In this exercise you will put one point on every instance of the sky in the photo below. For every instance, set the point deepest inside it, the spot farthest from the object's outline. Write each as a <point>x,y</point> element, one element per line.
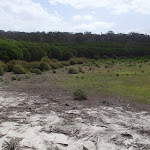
<point>96,16</point>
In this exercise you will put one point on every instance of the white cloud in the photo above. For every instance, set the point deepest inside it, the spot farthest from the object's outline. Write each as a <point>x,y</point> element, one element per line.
<point>28,16</point>
<point>90,23</point>
<point>94,27</point>
<point>117,6</point>
<point>83,18</point>
<point>25,15</point>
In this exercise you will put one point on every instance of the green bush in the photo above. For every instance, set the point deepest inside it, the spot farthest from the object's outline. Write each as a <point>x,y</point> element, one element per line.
<point>65,63</point>
<point>28,76</point>
<point>10,66</point>
<point>59,64</point>
<point>1,70</point>
<point>46,59</point>
<point>54,71</point>
<point>18,69</point>
<point>72,61</point>
<point>37,71</point>
<point>79,95</point>
<point>44,66</point>
<point>81,70</point>
<point>34,65</point>
<point>72,71</point>
<point>13,78</point>
<point>1,79</point>
<point>54,65</point>
<point>19,78</point>
<point>80,60</point>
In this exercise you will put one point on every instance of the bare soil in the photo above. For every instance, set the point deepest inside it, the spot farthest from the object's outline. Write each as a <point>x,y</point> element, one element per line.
<point>37,113</point>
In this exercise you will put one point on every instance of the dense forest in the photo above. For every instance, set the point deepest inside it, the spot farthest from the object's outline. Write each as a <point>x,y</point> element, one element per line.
<point>65,45</point>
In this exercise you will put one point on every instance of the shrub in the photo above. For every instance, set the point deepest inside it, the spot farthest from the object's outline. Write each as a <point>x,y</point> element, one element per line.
<point>1,79</point>
<point>1,70</point>
<point>46,59</point>
<point>81,70</point>
<point>65,63</point>
<point>59,64</point>
<point>28,76</point>
<point>13,78</point>
<point>10,66</point>
<point>79,95</point>
<point>117,74</point>
<point>107,66</point>
<point>72,62</point>
<point>44,66</point>
<point>34,65</point>
<point>80,60</point>
<point>72,71</point>
<point>37,71</point>
<point>54,65</point>
<point>19,78</point>
<point>4,66</point>
<point>54,71</point>
<point>18,69</point>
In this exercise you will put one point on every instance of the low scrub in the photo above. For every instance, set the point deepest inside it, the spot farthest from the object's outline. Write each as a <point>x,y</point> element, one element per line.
<point>65,63</point>
<point>72,71</point>
<point>1,70</point>
<point>44,66</point>
<point>54,65</point>
<point>72,61</point>
<point>79,95</point>
<point>37,71</point>
<point>18,69</point>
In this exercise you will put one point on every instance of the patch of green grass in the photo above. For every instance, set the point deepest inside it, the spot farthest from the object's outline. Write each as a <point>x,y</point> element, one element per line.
<point>79,95</point>
<point>131,83</point>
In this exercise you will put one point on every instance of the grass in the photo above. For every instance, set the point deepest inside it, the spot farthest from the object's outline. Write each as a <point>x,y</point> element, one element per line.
<point>122,80</point>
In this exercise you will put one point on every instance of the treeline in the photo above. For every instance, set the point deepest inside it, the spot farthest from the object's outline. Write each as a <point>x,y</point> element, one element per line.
<point>34,51</point>
<point>68,37</point>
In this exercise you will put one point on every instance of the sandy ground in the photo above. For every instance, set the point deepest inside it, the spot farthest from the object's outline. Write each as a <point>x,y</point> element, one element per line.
<point>36,123</point>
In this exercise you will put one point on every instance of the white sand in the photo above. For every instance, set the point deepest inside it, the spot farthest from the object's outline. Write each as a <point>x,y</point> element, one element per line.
<point>102,128</point>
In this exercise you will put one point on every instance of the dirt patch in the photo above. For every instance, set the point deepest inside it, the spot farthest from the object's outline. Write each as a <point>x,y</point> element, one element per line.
<point>39,114</point>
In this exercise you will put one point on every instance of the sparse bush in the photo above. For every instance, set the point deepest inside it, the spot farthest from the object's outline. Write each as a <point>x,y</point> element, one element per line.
<point>117,74</point>
<point>54,65</point>
<point>79,95</point>
<point>107,66</point>
<point>46,59</point>
<point>1,79</point>
<point>54,71</point>
<point>13,78</point>
<point>72,71</point>
<point>65,63</point>
<point>28,76</point>
<point>19,78</point>
<point>34,65</point>
<point>37,71</point>
<point>59,64</point>
<point>80,60</point>
<point>18,69</point>
<point>81,70</point>
<point>44,66</point>
<point>10,66</point>
<point>1,70</point>
<point>72,62</point>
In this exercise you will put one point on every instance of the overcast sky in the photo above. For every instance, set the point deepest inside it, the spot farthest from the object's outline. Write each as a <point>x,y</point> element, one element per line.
<point>94,16</point>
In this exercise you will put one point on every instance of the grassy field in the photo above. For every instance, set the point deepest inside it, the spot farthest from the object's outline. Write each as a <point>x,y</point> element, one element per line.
<point>124,78</point>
